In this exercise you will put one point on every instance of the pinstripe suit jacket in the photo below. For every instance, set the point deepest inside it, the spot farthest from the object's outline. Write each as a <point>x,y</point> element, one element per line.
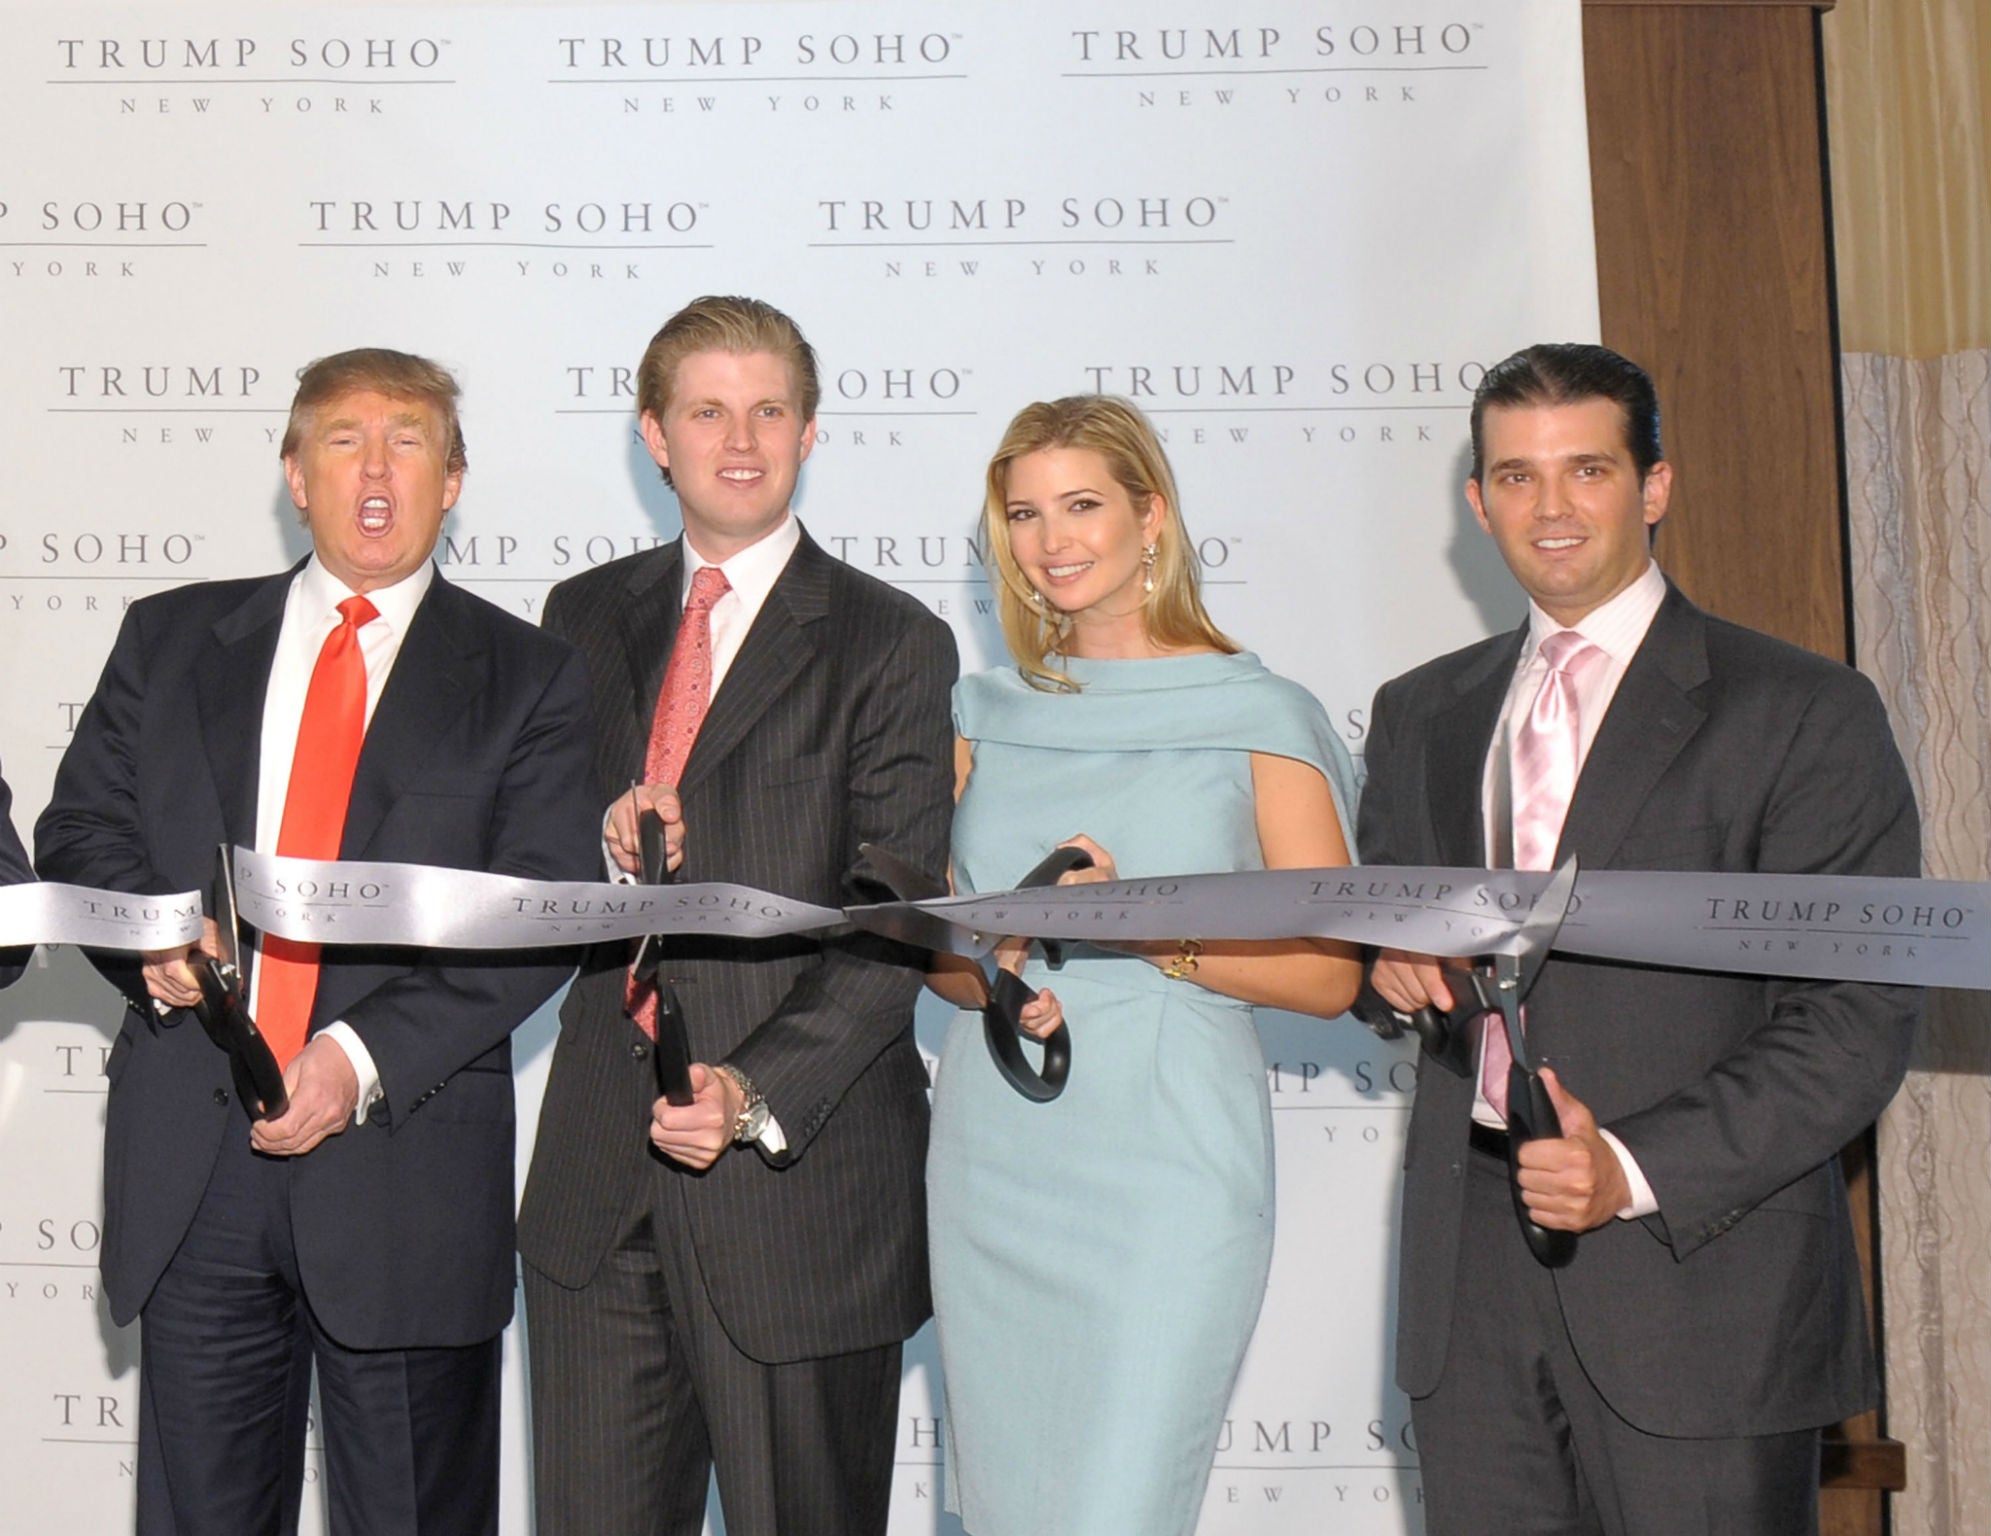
<point>830,729</point>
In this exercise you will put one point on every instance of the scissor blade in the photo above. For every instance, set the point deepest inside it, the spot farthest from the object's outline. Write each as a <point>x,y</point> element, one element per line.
<point>903,878</point>
<point>1538,933</point>
<point>228,929</point>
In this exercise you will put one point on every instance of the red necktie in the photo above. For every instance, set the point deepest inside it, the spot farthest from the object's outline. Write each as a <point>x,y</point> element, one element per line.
<point>681,706</point>
<point>1547,755</point>
<point>314,815</point>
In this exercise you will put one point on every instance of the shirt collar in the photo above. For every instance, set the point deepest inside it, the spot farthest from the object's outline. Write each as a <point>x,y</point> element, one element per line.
<point>754,570</point>
<point>319,593</point>
<point>1616,627</point>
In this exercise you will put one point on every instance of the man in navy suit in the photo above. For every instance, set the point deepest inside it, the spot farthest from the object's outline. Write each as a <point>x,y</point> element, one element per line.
<point>1673,1377</point>
<point>368,1229</point>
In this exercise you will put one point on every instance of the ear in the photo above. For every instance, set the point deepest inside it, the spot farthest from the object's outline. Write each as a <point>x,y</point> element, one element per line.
<point>293,474</point>
<point>653,439</point>
<point>452,487</point>
<point>1479,509</point>
<point>809,438</point>
<point>1152,519</point>
<point>1657,491</point>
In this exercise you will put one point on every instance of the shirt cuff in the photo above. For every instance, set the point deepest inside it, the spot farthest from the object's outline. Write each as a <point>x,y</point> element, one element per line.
<point>1643,1201</point>
<point>772,1137</point>
<point>617,875</point>
<point>370,1091</point>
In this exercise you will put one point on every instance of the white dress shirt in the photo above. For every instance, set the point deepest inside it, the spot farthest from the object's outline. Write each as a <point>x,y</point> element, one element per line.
<point>1617,628</point>
<point>310,614</point>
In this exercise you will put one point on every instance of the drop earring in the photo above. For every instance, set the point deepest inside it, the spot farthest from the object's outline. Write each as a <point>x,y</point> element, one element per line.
<point>1148,568</point>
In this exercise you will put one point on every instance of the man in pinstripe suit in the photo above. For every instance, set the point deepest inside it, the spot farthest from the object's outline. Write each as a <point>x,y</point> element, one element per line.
<point>726,1286</point>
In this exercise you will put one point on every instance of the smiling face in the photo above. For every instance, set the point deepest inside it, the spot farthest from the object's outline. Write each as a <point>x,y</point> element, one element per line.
<point>733,438</point>
<point>370,477</point>
<point>1564,501</point>
<point>1077,535</point>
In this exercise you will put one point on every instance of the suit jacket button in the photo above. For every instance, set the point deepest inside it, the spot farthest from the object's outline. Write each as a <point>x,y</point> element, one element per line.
<point>221,1095</point>
<point>639,1050</point>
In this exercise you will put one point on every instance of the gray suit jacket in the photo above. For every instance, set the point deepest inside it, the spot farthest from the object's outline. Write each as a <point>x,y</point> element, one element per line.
<point>830,729</point>
<point>1736,1310</point>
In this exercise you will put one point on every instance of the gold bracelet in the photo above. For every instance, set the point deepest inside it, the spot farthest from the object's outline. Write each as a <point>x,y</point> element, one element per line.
<point>1184,961</point>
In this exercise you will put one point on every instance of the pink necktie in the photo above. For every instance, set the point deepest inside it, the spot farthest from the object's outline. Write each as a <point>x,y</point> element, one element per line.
<point>329,737</point>
<point>681,706</point>
<point>1547,753</point>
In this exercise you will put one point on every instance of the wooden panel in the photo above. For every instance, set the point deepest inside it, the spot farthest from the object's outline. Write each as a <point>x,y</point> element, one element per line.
<point>1810,5</point>
<point>1708,183</point>
<point>1711,240</point>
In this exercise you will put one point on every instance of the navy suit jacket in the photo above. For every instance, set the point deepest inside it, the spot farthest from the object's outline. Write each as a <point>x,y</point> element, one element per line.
<point>1737,1309</point>
<point>477,757</point>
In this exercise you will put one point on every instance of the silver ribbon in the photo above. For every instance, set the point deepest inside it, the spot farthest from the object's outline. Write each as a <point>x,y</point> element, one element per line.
<point>47,913</point>
<point>325,902</point>
<point>1845,927</point>
<point>1854,928</point>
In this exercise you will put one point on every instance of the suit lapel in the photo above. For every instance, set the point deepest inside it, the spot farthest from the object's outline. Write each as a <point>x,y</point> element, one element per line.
<point>776,651</point>
<point>432,681</point>
<point>652,609</point>
<point>1455,752</point>
<point>1651,718</point>
<point>230,681</point>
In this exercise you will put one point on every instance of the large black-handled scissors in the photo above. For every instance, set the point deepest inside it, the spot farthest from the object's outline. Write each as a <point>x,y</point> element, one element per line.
<point>1531,1113</point>
<point>223,1009</point>
<point>672,1051</point>
<point>1008,993</point>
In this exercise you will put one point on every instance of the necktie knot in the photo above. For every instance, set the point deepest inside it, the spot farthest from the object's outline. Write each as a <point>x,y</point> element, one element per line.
<point>1568,651</point>
<point>708,585</point>
<point>358,612</point>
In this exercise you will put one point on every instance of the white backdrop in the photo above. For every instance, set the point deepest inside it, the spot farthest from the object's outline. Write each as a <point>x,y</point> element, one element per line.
<point>1293,231</point>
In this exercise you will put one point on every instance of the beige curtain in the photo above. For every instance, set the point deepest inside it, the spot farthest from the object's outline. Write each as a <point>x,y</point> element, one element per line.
<point>1908,98</point>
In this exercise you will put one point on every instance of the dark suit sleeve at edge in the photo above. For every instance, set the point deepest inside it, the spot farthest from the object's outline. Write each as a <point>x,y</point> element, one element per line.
<point>88,833</point>
<point>1830,1054</point>
<point>840,1015</point>
<point>14,870</point>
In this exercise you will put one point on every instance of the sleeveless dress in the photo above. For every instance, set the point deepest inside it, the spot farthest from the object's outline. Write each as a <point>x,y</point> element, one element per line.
<point>1099,1261</point>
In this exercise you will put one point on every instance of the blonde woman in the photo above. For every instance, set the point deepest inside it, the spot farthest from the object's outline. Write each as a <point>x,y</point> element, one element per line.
<point>1099,1260</point>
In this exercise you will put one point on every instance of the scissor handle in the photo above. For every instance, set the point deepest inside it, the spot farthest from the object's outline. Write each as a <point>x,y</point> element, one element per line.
<point>1002,1016</point>
<point>650,840</point>
<point>1531,1116</point>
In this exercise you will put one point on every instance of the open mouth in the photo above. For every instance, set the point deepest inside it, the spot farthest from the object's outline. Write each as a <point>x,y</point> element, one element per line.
<point>376,515</point>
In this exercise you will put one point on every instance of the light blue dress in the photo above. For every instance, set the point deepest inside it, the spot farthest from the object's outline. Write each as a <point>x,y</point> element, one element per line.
<point>1098,1261</point>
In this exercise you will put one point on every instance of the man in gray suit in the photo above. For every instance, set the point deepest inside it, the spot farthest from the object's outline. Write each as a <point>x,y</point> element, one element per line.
<point>1673,1377</point>
<point>727,1285</point>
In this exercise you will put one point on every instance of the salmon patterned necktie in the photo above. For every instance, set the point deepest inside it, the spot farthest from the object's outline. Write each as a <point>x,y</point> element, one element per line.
<point>681,706</point>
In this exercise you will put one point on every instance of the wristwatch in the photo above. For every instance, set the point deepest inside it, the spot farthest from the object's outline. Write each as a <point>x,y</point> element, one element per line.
<point>752,1119</point>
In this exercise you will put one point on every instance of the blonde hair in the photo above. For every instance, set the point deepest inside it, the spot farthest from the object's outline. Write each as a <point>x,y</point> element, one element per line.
<point>724,323</point>
<point>380,371</point>
<point>1172,614</point>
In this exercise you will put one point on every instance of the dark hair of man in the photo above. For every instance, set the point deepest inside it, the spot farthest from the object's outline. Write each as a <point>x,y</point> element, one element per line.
<point>724,323</point>
<point>1566,373</point>
<point>380,371</point>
